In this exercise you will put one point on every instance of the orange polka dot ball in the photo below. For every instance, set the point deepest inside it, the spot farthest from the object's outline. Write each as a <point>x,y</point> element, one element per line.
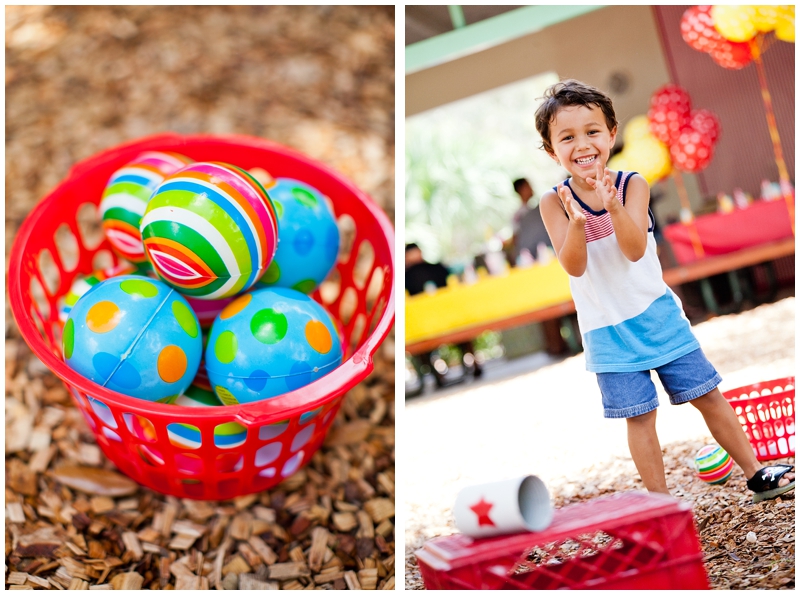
<point>269,342</point>
<point>136,336</point>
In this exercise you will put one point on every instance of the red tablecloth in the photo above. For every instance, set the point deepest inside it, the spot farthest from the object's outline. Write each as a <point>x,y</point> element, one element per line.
<point>721,233</point>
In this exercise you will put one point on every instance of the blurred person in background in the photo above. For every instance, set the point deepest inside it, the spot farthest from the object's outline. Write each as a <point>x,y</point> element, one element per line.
<point>527,225</point>
<point>529,233</point>
<point>422,276</point>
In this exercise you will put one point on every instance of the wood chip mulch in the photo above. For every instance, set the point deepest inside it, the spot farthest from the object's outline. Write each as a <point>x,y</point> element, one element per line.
<point>80,79</point>
<point>74,522</point>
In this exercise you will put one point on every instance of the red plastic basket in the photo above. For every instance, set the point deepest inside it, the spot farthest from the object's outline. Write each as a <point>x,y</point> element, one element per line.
<point>281,433</point>
<point>766,412</point>
<point>631,540</point>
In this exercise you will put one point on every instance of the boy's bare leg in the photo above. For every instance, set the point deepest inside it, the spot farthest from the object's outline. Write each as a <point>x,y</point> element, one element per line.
<point>727,431</point>
<point>646,451</point>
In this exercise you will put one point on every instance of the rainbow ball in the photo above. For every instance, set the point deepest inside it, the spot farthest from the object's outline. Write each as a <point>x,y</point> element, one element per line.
<point>210,230</point>
<point>309,242</point>
<point>226,435</point>
<point>125,199</point>
<point>713,464</point>
<point>135,336</point>
<point>83,284</point>
<point>269,342</point>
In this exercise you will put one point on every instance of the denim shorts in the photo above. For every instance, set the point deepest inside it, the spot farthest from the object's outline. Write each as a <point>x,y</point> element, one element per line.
<point>628,394</point>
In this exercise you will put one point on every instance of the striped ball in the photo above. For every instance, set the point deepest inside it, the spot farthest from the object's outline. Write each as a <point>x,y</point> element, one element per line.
<point>713,464</point>
<point>226,435</point>
<point>210,230</point>
<point>125,198</point>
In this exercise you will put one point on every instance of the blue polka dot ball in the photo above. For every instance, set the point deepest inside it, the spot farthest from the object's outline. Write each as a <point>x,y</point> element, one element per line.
<point>83,284</point>
<point>269,342</point>
<point>309,237</point>
<point>136,336</point>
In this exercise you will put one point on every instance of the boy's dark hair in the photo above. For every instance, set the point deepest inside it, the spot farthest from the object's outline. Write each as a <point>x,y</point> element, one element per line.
<point>519,183</point>
<point>566,93</point>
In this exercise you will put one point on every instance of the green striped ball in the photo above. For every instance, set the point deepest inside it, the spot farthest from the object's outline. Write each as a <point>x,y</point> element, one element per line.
<point>713,464</point>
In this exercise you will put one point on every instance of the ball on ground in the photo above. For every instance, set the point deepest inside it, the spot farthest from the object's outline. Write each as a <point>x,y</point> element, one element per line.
<point>713,464</point>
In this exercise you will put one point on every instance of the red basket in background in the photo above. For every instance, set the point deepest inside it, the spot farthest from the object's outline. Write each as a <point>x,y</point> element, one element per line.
<point>630,540</point>
<point>766,412</point>
<point>279,435</point>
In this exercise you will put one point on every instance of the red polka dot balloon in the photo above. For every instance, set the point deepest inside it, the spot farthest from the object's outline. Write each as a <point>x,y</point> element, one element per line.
<point>692,151</point>
<point>669,113</point>
<point>697,29</point>
<point>705,122</point>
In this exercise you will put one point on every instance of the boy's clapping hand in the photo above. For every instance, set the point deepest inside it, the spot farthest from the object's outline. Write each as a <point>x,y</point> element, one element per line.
<point>605,189</point>
<point>572,208</point>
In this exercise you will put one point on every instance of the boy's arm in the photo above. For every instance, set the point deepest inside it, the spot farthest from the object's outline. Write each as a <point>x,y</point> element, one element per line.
<point>631,221</point>
<point>568,236</point>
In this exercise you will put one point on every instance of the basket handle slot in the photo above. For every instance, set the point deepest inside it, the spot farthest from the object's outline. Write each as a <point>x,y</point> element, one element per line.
<point>91,231</point>
<point>363,264</point>
<point>67,247</point>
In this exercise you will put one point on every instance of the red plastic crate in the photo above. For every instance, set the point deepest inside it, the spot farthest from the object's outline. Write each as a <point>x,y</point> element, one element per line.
<point>766,412</point>
<point>279,435</point>
<point>631,540</point>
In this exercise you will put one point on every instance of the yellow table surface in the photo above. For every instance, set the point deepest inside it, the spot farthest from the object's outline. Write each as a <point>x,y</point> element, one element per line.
<point>489,299</point>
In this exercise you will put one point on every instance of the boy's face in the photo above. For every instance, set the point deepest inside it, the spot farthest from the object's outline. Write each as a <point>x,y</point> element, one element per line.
<point>580,137</point>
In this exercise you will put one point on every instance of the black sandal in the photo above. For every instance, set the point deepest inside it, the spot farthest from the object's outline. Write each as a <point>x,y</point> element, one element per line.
<point>765,482</point>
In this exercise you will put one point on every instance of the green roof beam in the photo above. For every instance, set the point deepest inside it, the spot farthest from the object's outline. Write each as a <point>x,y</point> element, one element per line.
<point>457,16</point>
<point>487,33</point>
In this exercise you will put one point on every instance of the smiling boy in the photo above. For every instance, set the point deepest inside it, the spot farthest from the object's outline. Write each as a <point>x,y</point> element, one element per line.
<point>601,228</point>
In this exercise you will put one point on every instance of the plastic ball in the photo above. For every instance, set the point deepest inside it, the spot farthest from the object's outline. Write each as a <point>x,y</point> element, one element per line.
<point>309,240</point>
<point>135,336</point>
<point>207,310</point>
<point>227,435</point>
<point>126,196</point>
<point>210,230</point>
<point>713,464</point>
<point>269,342</point>
<point>83,284</point>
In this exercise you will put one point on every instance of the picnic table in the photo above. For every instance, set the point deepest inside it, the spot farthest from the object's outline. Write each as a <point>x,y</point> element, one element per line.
<point>461,312</point>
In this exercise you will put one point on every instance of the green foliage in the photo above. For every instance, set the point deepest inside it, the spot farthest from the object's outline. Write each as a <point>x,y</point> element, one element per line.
<point>461,160</point>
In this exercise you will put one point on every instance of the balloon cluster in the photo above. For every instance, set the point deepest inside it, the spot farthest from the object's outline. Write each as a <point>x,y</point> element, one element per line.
<point>671,134</point>
<point>690,135</point>
<point>643,152</point>
<point>724,31</point>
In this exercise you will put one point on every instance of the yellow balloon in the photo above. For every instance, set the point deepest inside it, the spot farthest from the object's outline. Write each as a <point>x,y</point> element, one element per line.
<point>638,127</point>
<point>765,18</point>
<point>618,162</point>
<point>650,157</point>
<point>735,23</point>
<point>784,30</point>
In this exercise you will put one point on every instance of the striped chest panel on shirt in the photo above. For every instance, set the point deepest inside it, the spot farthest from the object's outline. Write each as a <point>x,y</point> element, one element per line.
<point>598,223</point>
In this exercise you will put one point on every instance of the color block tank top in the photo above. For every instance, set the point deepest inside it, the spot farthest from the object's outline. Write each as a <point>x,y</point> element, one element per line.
<point>629,319</point>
